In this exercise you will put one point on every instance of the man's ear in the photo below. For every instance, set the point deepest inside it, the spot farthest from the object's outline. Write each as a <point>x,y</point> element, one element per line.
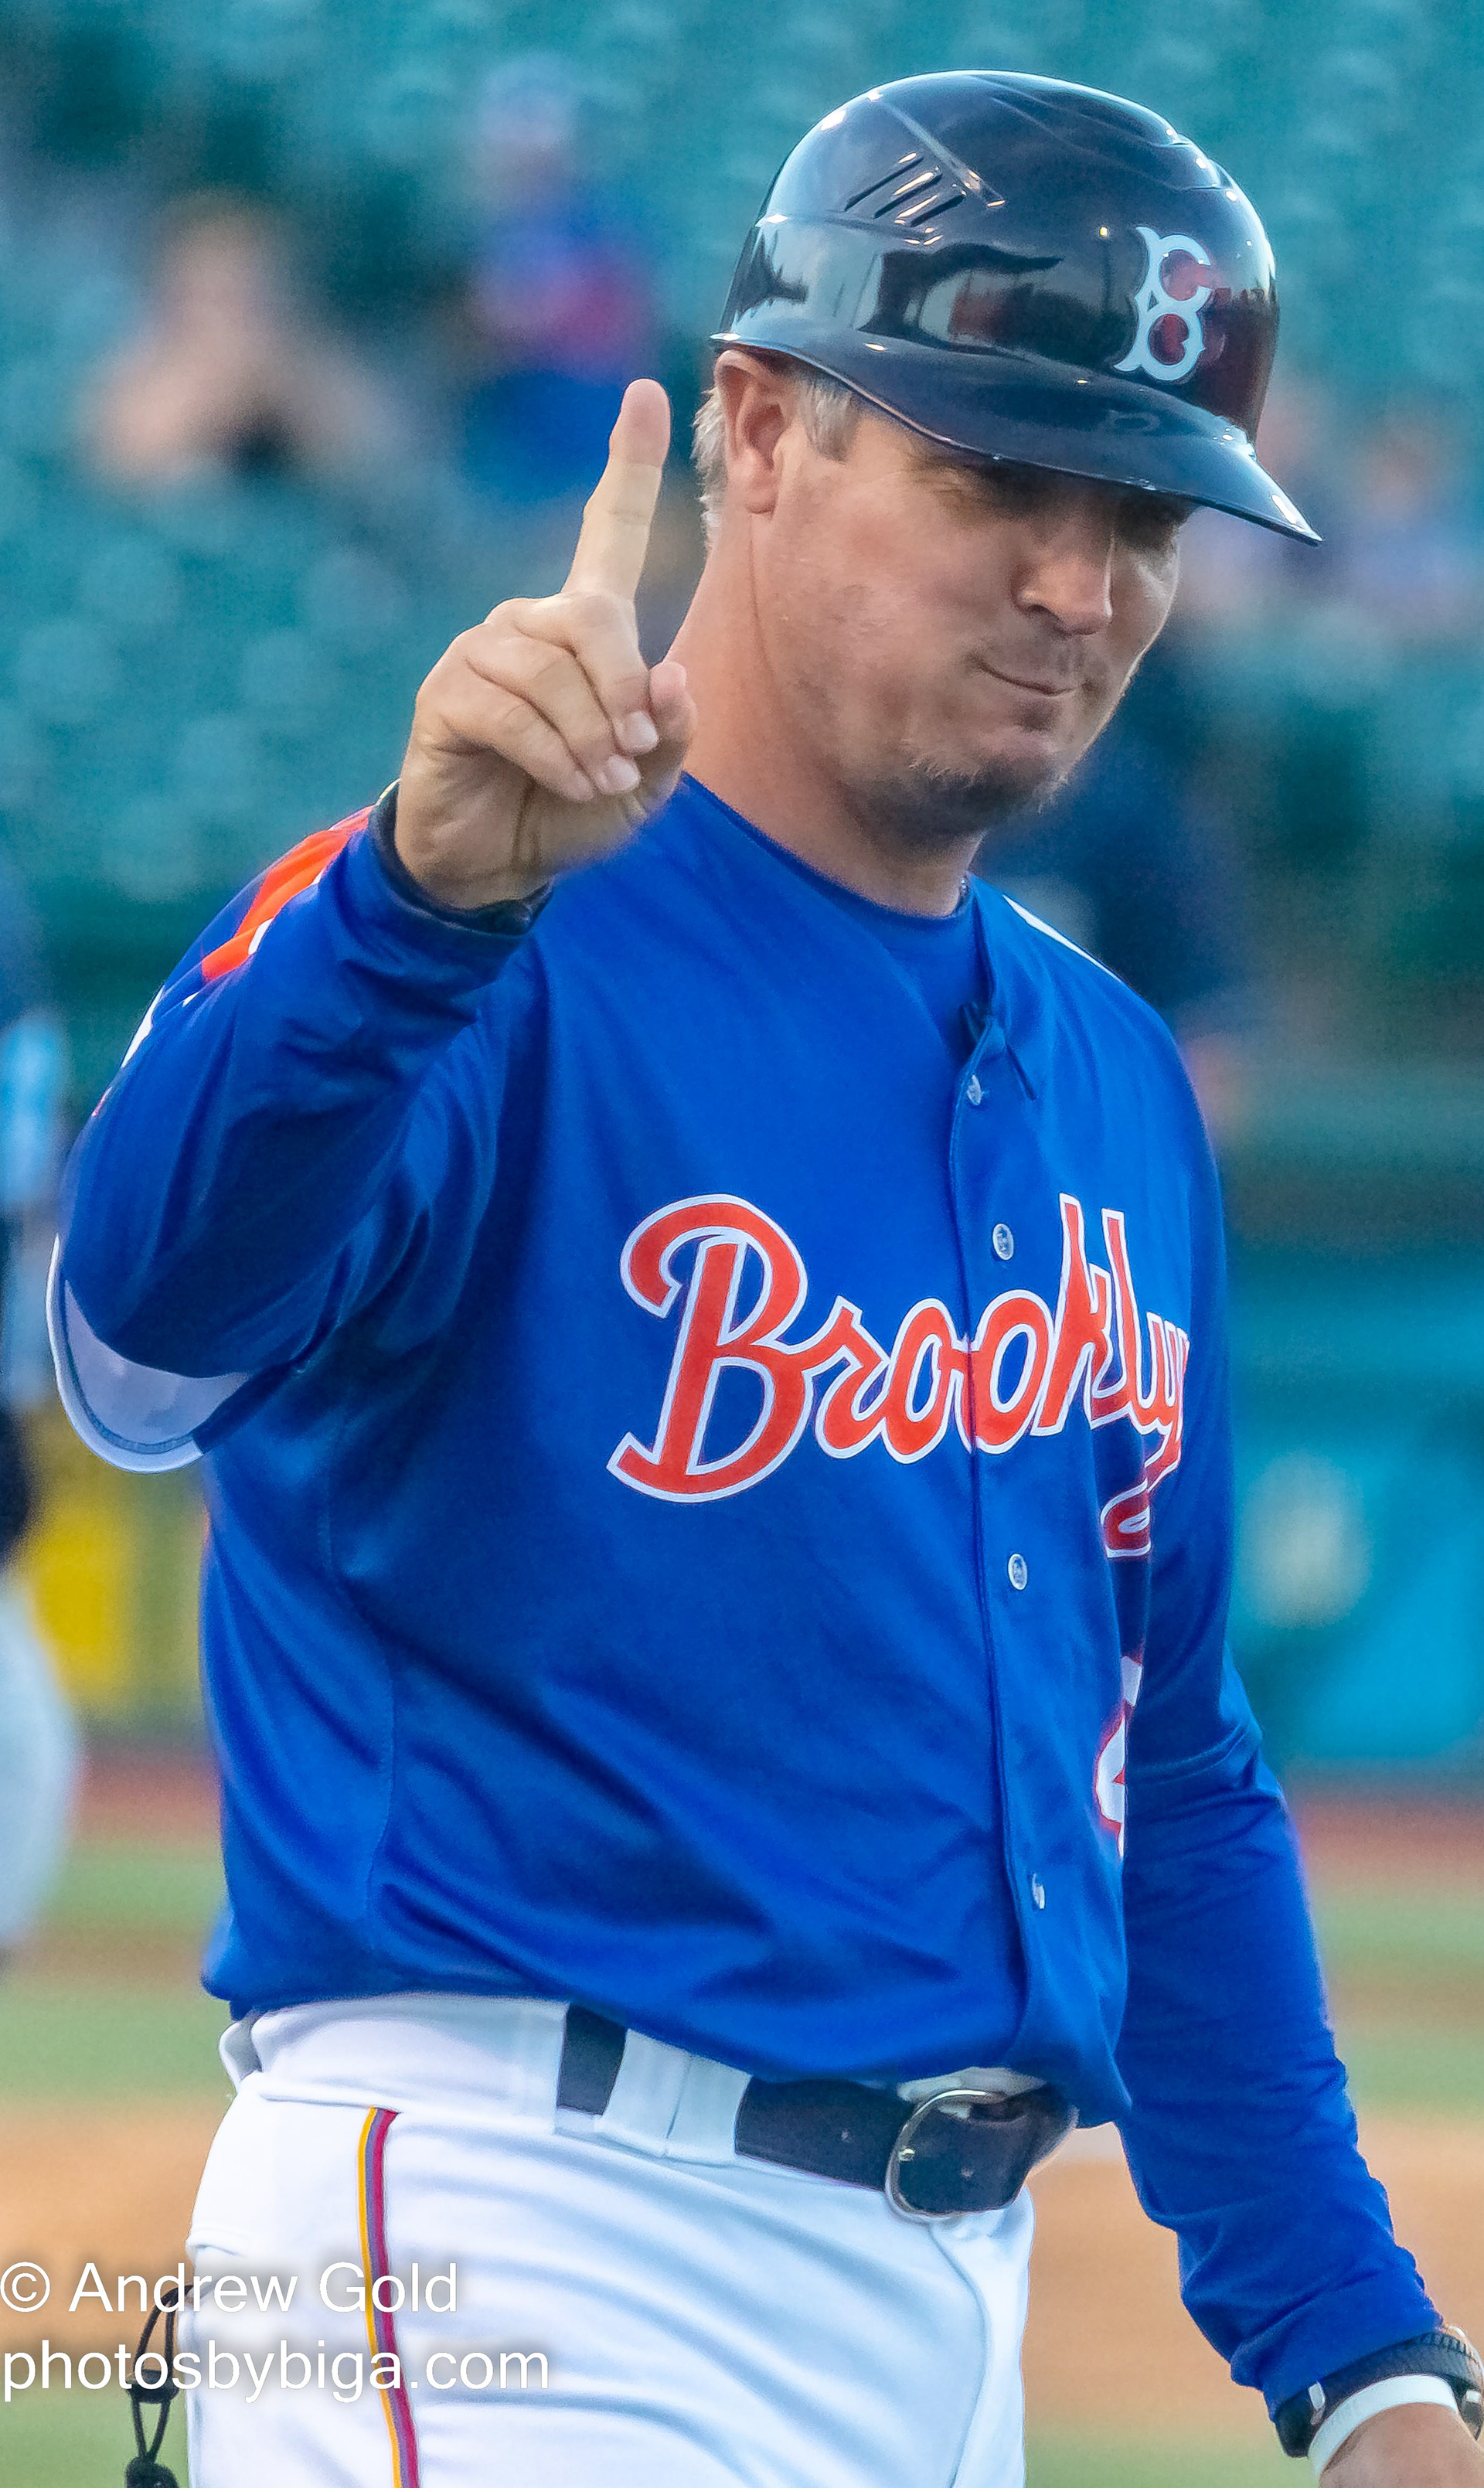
<point>756,398</point>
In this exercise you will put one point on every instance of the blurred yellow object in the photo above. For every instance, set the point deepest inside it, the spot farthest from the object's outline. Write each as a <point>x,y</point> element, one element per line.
<point>112,1564</point>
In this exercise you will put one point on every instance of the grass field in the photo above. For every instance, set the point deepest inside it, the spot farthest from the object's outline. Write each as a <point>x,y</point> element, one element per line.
<point>78,2443</point>
<point>104,2016</point>
<point>108,2005</point>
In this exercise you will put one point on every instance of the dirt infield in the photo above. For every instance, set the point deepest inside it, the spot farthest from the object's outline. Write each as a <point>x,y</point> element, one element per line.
<point>1109,2344</point>
<point>1389,1838</point>
<point>95,2184</point>
<point>148,1793</point>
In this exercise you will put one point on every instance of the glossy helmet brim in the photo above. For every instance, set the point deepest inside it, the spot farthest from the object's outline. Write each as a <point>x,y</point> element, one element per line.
<point>1028,411</point>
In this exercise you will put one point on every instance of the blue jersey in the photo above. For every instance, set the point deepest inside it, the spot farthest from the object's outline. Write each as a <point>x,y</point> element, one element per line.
<point>721,1509</point>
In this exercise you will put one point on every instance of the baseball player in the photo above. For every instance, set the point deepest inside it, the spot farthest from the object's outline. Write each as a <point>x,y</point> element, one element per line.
<point>705,1332</point>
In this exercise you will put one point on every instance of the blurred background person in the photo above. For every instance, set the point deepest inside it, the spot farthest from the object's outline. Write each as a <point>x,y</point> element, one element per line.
<point>39,1757</point>
<point>1128,864</point>
<point>229,370</point>
<point>39,1750</point>
<point>1227,588</point>
<point>1414,562</point>
<point>559,307</point>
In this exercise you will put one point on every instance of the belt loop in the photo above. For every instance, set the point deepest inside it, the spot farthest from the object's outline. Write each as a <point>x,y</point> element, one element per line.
<point>237,2051</point>
<point>645,2095</point>
<point>704,2127</point>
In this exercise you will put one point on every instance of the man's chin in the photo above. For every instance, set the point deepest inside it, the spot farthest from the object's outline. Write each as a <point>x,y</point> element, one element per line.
<point>936,803</point>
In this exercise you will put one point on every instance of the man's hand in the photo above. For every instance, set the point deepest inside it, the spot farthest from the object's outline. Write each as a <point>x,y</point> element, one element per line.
<point>1420,2445</point>
<point>541,740</point>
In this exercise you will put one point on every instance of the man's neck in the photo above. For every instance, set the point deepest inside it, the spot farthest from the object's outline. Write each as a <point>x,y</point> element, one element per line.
<point>749,750</point>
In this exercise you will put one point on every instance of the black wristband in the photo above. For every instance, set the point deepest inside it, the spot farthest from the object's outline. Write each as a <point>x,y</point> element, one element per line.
<point>1448,2355</point>
<point>508,915</point>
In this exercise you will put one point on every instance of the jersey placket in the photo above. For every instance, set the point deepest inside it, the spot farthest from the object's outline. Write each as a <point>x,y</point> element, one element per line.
<point>991,1095</point>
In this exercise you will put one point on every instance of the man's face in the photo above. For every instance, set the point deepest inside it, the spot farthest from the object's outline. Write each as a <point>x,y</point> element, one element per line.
<point>956,634</point>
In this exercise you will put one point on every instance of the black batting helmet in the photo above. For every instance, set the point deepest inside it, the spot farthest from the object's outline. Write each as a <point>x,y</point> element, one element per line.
<point>1029,270</point>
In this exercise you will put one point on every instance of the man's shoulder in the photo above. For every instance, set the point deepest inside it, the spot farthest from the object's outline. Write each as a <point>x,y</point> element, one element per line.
<point>1084,1036</point>
<point>1072,985</point>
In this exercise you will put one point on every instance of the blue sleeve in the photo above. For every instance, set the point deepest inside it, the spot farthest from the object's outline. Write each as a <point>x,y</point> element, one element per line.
<point>269,1158</point>
<point>1239,2136</point>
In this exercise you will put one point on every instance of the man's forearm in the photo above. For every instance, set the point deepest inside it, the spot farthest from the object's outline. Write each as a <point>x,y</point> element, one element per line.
<point>1240,2136</point>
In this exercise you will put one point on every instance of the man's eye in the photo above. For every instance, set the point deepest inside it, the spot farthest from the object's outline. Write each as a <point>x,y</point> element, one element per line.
<point>1153,519</point>
<point>1019,488</point>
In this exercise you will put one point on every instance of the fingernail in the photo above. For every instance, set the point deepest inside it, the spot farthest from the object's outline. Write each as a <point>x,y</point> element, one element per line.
<point>618,776</point>
<point>639,731</point>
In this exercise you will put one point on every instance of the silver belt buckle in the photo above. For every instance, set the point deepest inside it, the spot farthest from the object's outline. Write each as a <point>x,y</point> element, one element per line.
<point>904,2148</point>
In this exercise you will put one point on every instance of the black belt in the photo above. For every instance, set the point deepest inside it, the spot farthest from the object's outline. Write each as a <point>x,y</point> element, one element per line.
<point>962,2151</point>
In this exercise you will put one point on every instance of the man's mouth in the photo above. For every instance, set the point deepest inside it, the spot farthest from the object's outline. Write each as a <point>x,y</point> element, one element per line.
<point>1025,683</point>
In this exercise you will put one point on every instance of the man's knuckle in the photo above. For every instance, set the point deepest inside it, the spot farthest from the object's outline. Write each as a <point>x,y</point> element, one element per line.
<point>488,718</point>
<point>593,745</point>
<point>495,645</point>
<point>600,610</point>
<point>625,690</point>
<point>546,667</point>
<point>445,670</point>
<point>522,726</point>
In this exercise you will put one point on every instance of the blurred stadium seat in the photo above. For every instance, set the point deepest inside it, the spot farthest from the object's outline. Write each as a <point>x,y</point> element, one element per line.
<point>116,623</point>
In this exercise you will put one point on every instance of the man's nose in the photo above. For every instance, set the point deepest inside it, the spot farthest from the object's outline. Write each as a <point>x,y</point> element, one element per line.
<point>1066,573</point>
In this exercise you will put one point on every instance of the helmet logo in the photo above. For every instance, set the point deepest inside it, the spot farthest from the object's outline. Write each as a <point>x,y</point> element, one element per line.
<point>1169,340</point>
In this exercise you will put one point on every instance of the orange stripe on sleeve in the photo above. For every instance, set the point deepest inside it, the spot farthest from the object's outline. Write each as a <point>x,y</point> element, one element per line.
<point>296,871</point>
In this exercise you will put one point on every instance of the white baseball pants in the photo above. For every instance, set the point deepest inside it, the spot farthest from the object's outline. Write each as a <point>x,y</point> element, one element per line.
<point>633,2306</point>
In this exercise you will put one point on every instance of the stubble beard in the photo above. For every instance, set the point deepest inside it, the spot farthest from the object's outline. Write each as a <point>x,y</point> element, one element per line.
<point>925,806</point>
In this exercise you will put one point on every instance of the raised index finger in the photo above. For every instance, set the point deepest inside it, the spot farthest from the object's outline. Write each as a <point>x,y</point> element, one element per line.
<point>611,549</point>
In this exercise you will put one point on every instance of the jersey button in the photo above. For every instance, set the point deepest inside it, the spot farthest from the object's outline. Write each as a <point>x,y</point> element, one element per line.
<point>1004,1242</point>
<point>1038,1893</point>
<point>1019,1571</point>
<point>975,1090</point>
